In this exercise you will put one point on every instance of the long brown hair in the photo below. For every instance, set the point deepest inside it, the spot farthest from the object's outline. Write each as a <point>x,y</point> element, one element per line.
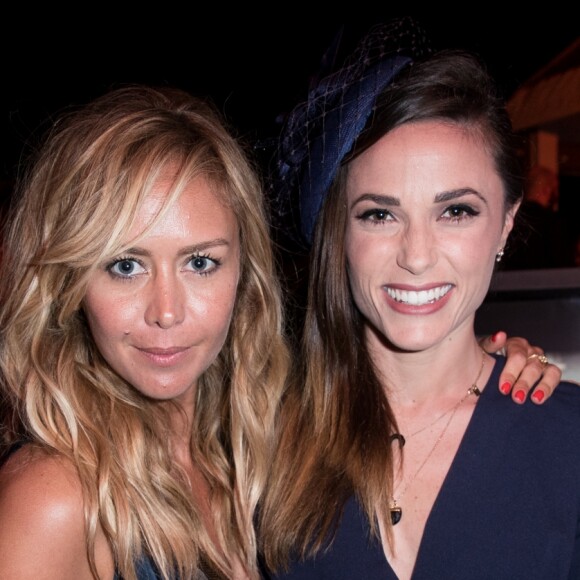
<point>337,422</point>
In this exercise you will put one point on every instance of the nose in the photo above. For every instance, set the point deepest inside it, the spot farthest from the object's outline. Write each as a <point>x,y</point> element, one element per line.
<point>417,251</point>
<point>165,306</point>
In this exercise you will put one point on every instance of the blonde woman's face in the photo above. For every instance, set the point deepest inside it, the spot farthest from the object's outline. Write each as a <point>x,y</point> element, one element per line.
<point>160,312</point>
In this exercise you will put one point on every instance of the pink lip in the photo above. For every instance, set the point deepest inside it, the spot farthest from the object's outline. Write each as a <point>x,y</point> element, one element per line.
<point>163,356</point>
<point>423,309</point>
<point>417,288</point>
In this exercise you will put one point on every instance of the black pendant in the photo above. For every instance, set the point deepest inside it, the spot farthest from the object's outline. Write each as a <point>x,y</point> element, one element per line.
<point>396,514</point>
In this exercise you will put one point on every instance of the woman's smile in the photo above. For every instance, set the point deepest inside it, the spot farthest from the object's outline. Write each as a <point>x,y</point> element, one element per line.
<point>418,297</point>
<point>426,220</point>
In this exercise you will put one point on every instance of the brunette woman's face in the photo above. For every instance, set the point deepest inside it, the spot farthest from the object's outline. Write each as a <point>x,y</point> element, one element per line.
<point>425,220</point>
<point>160,312</point>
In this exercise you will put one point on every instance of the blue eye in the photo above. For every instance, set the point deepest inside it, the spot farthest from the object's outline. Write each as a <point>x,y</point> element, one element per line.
<point>203,264</point>
<point>125,268</point>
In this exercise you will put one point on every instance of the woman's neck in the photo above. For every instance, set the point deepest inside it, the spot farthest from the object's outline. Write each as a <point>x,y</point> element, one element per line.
<point>430,378</point>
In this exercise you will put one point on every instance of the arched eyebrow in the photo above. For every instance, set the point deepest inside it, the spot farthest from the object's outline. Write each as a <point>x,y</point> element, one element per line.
<point>444,196</point>
<point>454,194</point>
<point>192,249</point>
<point>378,199</point>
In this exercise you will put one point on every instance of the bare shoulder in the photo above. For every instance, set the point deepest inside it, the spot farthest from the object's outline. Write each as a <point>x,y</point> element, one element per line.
<point>42,534</point>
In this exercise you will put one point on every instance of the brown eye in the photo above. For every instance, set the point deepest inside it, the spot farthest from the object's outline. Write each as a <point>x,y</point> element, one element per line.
<point>375,215</point>
<point>457,212</point>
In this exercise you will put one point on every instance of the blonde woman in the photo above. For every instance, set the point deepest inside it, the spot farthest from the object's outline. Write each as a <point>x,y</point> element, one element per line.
<point>141,348</point>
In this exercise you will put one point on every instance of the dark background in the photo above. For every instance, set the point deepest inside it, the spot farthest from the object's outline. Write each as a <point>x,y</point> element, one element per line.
<point>254,64</point>
<point>253,61</point>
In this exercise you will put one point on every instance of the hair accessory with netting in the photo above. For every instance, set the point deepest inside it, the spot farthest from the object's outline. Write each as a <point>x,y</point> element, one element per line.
<point>319,132</point>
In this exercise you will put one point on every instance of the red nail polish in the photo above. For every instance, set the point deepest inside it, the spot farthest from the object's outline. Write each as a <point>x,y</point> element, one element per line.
<point>520,395</point>
<point>538,396</point>
<point>494,337</point>
<point>506,388</point>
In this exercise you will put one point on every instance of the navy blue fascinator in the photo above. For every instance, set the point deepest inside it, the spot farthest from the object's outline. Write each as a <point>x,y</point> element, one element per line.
<point>319,133</point>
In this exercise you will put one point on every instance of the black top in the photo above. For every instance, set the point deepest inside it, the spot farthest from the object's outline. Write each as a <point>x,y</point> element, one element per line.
<point>509,507</point>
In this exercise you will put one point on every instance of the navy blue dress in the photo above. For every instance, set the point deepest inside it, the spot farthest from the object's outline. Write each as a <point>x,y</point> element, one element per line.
<point>509,507</point>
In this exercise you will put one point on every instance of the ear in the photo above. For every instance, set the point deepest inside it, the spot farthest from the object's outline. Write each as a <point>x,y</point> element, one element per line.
<point>508,222</point>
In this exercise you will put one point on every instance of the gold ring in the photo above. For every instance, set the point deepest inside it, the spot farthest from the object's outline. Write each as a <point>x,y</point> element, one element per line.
<point>542,358</point>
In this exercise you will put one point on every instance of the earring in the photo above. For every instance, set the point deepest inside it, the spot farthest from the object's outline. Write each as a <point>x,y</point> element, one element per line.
<point>499,255</point>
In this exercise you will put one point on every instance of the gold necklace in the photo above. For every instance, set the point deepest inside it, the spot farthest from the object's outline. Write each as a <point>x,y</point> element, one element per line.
<point>395,509</point>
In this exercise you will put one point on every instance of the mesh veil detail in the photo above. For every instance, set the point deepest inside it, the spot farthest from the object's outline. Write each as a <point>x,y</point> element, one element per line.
<point>318,133</point>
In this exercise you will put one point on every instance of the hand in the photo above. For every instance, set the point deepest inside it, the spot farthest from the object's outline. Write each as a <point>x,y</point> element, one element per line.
<point>521,372</point>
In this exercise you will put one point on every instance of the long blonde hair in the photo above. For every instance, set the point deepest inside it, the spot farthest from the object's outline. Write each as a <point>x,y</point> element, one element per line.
<point>72,208</point>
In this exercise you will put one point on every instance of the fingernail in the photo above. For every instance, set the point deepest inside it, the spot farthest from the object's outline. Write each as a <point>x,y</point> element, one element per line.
<point>494,337</point>
<point>538,396</point>
<point>520,395</point>
<point>506,388</point>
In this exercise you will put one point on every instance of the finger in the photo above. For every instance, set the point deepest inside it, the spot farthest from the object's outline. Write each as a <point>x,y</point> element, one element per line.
<point>517,352</point>
<point>494,343</point>
<point>544,389</point>
<point>543,379</point>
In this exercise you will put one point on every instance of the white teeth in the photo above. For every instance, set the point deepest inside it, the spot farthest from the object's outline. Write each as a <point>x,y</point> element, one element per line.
<point>418,298</point>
